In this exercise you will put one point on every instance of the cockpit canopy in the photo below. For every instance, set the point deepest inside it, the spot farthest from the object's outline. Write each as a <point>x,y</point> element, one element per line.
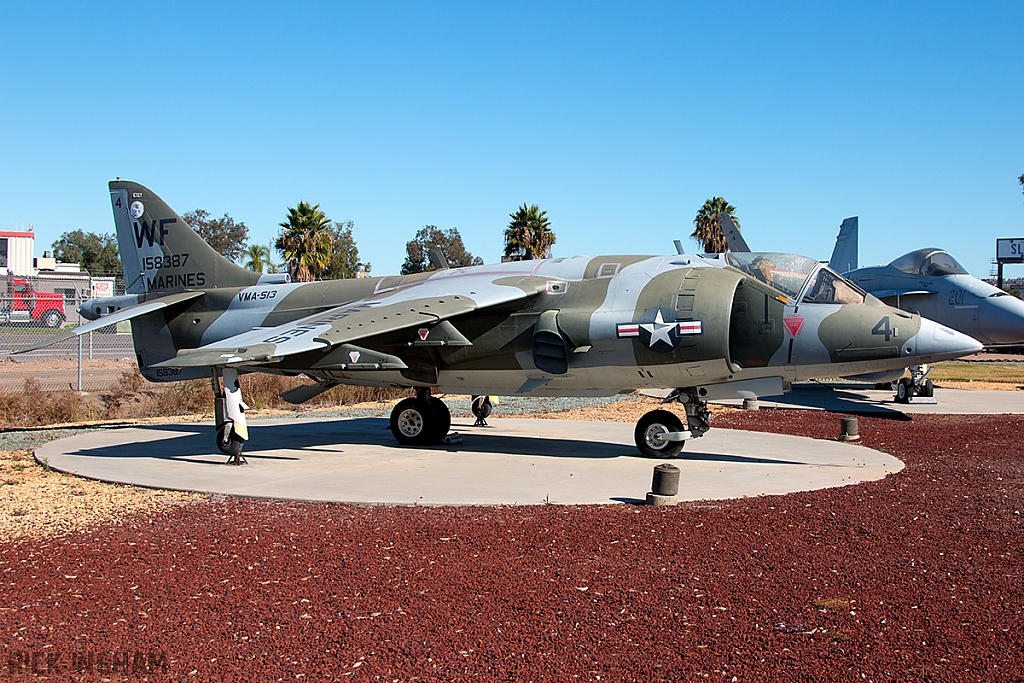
<point>831,288</point>
<point>784,272</point>
<point>928,263</point>
<point>789,272</point>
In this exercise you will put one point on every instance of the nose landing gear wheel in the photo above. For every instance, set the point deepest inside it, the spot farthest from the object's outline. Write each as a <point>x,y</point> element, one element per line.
<point>904,390</point>
<point>649,429</point>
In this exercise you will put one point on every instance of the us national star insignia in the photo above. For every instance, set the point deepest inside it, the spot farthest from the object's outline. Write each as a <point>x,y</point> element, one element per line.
<point>657,334</point>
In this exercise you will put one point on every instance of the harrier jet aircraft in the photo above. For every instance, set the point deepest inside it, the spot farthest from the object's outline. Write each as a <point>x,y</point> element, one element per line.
<point>739,326</point>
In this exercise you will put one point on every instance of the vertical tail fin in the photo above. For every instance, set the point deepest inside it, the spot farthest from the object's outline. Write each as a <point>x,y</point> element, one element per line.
<point>844,255</point>
<point>160,252</point>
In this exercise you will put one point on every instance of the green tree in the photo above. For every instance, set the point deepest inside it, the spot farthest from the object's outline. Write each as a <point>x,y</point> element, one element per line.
<point>223,234</point>
<point>305,241</point>
<point>449,241</point>
<point>528,235</point>
<point>96,253</point>
<point>707,232</point>
<point>344,261</point>
<point>256,258</point>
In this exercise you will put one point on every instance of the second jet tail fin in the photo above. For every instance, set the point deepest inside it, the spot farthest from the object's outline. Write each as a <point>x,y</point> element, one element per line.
<point>733,239</point>
<point>844,255</point>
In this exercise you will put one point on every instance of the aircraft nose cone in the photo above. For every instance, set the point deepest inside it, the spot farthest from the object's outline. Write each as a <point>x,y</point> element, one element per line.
<point>935,342</point>
<point>1002,320</point>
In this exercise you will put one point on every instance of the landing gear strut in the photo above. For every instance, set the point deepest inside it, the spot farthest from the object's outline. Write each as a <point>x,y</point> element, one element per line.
<point>229,414</point>
<point>420,421</point>
<point>660,433</point>
<point>917,385</point>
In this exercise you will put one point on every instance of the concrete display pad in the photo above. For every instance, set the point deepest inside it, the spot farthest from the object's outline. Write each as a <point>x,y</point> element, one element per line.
<point>515,461</point>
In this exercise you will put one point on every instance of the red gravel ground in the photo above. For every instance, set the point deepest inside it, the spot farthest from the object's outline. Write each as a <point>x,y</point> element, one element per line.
<point>917,577</point>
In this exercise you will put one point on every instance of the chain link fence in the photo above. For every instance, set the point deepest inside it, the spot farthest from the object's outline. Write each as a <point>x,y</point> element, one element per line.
<point>33,309</point>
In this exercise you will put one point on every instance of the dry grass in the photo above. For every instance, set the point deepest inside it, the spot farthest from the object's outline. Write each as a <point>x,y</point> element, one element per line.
<point>977,372</point>
<point>134,398</point>
<point>36,502</point>
<point>979,385</point>
<point>32,406</point>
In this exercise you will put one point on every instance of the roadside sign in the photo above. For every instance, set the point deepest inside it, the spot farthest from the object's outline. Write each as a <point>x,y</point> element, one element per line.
<point>102,287</point>
<point>1010,250</point>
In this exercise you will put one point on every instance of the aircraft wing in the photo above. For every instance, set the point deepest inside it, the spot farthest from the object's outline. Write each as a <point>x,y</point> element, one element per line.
<point>126,313</point>
<point>733,239</point>
<point>439,298</point>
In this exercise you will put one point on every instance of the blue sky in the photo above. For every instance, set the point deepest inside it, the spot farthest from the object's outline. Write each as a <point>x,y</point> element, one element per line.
<point>618,120</point>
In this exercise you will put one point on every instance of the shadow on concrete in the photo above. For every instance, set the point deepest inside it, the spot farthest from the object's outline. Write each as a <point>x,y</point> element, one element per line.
<point>270,442</point>
<point>849,399</point>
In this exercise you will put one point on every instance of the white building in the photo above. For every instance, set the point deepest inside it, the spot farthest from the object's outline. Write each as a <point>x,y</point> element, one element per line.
<point>16,252</point>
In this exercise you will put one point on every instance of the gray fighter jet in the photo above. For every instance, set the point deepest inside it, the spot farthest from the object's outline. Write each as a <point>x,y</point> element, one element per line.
<point>931,283</point>
<point>729,326</point>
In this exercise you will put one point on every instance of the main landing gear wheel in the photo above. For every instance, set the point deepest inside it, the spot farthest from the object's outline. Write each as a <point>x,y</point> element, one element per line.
<point>420,421</point>
<point>928,389</point>
<point>444,418</point>
<point>649,430</point>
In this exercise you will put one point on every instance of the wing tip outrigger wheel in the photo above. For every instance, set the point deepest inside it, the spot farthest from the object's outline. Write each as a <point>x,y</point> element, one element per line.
<point>482,408</point>
<point>229,415</point>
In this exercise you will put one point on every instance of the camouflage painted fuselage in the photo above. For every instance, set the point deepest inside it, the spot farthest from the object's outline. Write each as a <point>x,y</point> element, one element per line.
<point>600,326</point>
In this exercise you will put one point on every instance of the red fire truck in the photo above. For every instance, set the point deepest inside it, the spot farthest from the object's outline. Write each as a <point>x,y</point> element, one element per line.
<point>23,304</point>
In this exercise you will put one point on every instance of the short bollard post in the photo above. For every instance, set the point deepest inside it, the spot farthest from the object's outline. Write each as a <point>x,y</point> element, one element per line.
<point>848,430</point>
<point>750,404</point>
<point>665,485</point>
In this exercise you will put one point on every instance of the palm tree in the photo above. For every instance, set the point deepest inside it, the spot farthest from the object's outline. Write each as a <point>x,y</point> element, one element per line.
<point>707,231</point>
<point>528,235</point>
<point>305,241</point>
<point>257,258</point>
